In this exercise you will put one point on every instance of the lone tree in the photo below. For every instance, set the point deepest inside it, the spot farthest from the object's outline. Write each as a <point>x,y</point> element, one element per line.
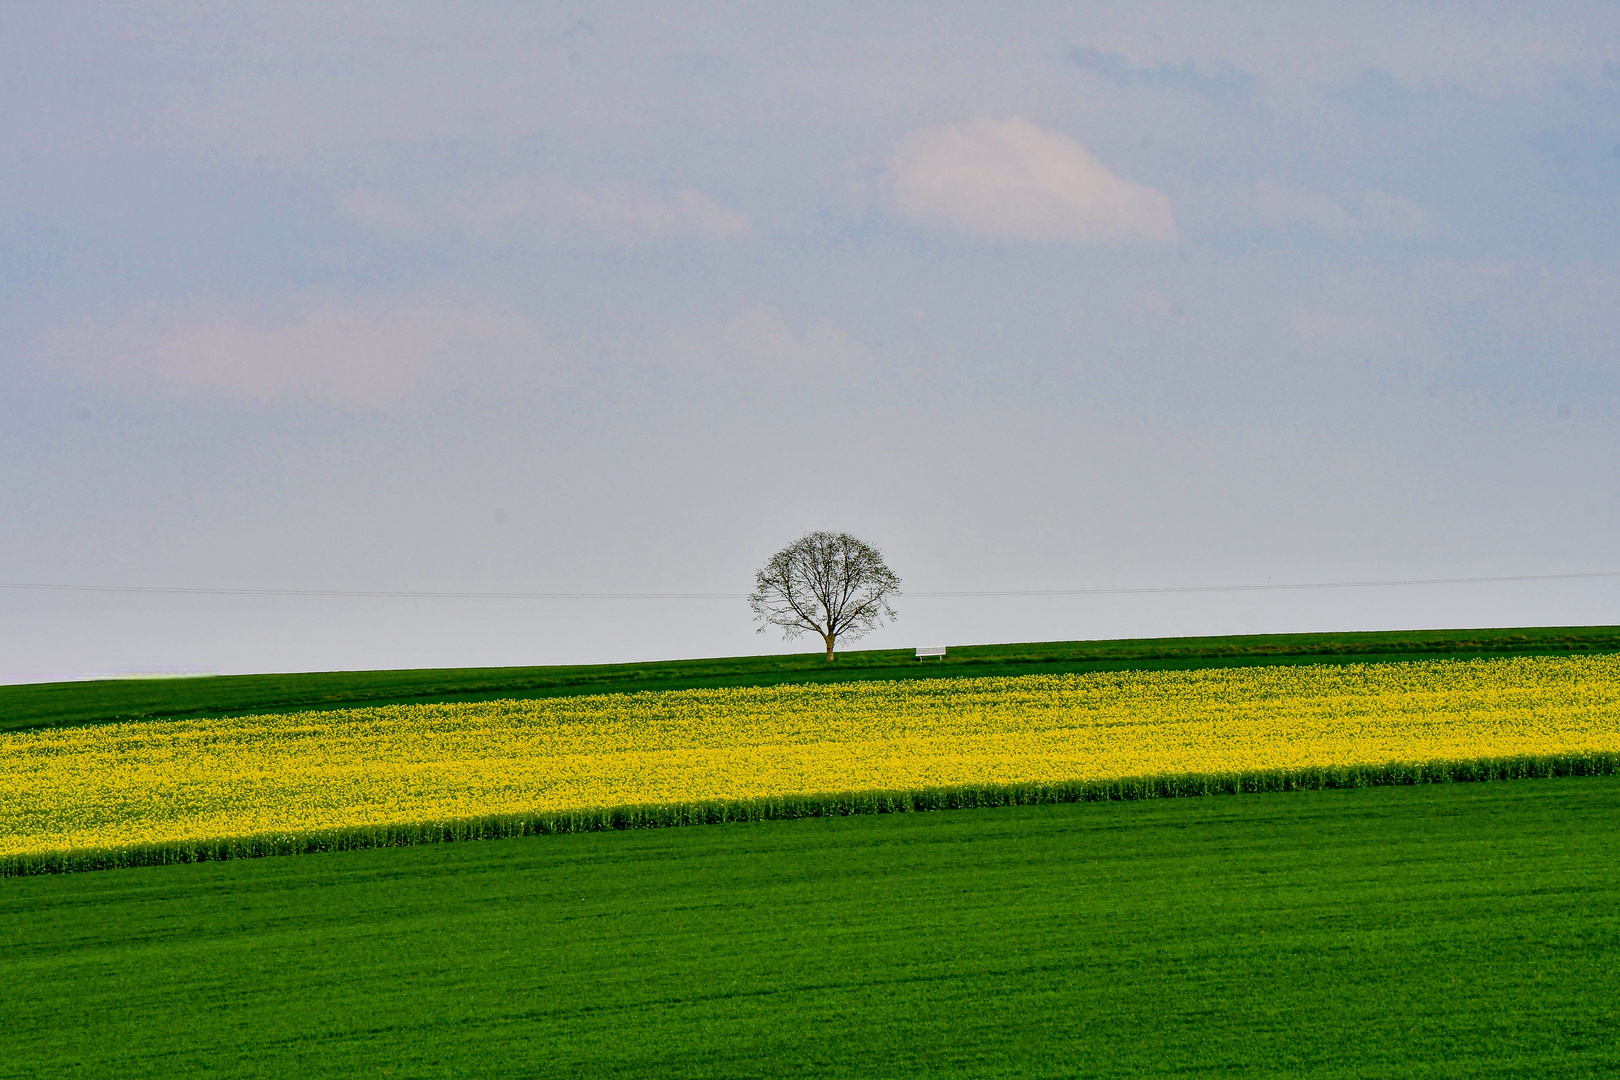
<point>826,584</point>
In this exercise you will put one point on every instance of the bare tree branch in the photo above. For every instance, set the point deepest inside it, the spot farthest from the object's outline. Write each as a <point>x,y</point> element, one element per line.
<point>831,585</point>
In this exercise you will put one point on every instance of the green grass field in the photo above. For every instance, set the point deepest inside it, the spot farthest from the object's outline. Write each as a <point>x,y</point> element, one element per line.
<point>51,704</point>
<point>1432,930</point>
<point>1435,929</point>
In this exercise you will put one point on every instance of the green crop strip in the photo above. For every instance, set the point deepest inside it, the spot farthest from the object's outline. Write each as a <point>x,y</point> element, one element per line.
<point>842,804</point>
<point>1421,930</point>
<point>65,704</point>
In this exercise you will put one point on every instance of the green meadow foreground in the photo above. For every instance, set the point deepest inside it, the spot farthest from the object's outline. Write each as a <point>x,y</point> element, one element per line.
<point>1383,927</point>
<point>1431,930</point>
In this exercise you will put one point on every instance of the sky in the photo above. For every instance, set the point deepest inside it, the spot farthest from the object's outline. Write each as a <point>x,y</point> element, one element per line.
<point>623,298</point>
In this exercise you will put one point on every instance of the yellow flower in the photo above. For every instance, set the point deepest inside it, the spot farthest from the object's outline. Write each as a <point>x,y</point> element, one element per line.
<point>178,782</point>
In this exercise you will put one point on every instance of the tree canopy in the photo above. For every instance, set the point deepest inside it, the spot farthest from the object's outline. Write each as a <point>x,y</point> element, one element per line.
<point>828,584</point>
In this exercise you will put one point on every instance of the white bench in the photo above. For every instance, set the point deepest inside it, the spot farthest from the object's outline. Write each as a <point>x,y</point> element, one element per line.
<point>930,650</point>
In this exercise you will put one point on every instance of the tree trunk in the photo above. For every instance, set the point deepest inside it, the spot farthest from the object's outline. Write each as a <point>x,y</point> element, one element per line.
<point>829,639</point>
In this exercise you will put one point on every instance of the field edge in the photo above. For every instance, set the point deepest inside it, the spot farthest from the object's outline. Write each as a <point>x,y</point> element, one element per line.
<point>34,706</point>
<point>814,805</point>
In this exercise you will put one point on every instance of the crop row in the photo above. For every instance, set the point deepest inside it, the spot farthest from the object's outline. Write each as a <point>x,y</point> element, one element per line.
<point>841,804</point>
<point>256,785</point>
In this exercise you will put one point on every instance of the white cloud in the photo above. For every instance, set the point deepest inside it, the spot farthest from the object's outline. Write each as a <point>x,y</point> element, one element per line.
<point>365,353</point>
<point>1012,180</point>
<point>516,210</point>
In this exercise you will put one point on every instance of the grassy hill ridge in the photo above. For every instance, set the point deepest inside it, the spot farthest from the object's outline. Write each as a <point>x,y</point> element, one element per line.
<point>99,701</point>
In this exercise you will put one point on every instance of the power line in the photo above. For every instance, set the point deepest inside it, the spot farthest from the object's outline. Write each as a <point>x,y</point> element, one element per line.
<point>409,594</point>
<point>376,593</point>
<point>1268,587</point>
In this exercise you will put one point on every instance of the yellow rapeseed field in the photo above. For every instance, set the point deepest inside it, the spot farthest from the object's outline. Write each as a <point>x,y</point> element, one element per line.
<point>177,781</point>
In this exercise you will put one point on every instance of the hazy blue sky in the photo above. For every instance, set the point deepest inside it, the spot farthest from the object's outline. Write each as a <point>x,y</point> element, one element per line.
<point>623,298</point>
